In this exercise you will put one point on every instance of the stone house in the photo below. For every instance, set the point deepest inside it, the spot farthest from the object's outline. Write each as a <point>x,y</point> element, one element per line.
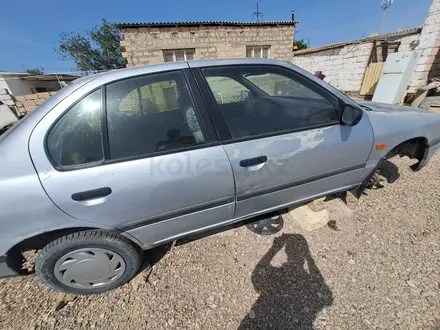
<point>345,63</point>
<point>149,43</point>
<point>23,92</point>
<point>22,83</point>
<point>355,66</point>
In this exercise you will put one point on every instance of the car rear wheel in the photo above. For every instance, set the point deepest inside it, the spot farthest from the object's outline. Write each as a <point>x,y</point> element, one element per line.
<point>88,262</point>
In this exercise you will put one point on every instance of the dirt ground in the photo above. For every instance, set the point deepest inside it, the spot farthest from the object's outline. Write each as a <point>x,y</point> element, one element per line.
<point>380,270</point>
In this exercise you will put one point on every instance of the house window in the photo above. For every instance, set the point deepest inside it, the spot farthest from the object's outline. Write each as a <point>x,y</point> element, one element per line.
<point>41,89</point>
<point>258,51</point>
<point>178,55</point>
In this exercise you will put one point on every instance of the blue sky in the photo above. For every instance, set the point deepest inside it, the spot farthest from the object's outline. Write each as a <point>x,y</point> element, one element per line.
<point>30,31</point>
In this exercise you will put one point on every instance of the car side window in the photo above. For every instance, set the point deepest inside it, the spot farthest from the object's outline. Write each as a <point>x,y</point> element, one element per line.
<point>150,114</point>
<point>276,100</point>
<point>75,138</point>
<point>226,89</point>
<point>278,85</point>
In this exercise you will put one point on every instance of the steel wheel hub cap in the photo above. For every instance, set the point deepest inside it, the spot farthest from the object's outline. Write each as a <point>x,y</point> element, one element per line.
<point>267,226</point>
<point>86,268</point>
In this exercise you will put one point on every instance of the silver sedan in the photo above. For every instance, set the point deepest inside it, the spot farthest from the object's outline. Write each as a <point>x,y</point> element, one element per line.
<point>120,162</point>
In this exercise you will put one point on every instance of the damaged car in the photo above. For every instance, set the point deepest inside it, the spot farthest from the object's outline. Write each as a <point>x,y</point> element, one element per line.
<point>123,161</point>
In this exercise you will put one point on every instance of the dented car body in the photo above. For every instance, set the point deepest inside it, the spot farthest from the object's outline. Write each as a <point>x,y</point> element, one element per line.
<point>159,152</point>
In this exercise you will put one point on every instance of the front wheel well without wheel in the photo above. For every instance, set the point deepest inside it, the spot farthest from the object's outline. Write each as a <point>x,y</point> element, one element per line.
<point>413,148</point>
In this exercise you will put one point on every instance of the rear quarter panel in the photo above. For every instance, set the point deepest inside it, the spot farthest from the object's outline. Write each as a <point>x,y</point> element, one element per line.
<point>25,209</point>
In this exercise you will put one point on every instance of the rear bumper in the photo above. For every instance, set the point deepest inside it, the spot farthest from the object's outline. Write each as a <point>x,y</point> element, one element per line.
<point>5,269</point>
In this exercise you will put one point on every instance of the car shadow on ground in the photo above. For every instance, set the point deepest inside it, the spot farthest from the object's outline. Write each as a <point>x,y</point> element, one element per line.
<point>291,295</point>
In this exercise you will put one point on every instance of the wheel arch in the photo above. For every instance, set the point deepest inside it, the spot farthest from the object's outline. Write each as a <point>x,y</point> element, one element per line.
<point>414,148</point>
<point>37,241</point>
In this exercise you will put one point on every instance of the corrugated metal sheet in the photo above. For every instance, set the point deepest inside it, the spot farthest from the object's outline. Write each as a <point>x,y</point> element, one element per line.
<point>371,78</point>
<point>205,23</point>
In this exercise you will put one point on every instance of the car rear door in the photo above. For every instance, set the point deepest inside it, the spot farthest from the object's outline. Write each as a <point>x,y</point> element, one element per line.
<point>126,154</point>
<point>283,135</point>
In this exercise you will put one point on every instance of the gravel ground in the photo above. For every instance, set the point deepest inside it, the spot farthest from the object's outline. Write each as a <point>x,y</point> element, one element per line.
<point>379,270</point>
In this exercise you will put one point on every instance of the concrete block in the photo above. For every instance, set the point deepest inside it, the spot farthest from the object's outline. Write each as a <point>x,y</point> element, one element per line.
<point>308,219</point>
<point>31,97</point>
<point>28,103</point>
<point>44,95</point>
<point>124,43</point>
<point>338,210</point>
<point>6,116</point>
<point>317,204</point>
<point>20,98</point>
<point>3,91</point>
<point>5,97</point>
<point>29,108</point>
<point>40,101</point>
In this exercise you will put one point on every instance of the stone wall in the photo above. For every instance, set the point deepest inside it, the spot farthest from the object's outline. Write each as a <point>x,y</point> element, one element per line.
<point>27,103</point>
<point>428,65</point>
<point>6,98</point>
<point>145,45</point>
<point>345,66</point>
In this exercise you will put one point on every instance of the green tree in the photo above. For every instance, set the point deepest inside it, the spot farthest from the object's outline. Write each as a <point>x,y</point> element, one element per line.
<point>35,71</point>
<point>299,44</point>
<point>98,50</point>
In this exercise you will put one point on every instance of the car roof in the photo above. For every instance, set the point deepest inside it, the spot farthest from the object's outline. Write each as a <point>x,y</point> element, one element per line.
<point>149,68</point>
<point>87,84</point>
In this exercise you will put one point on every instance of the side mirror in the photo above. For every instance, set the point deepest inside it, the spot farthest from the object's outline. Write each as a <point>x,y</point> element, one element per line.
<point>351,115</point>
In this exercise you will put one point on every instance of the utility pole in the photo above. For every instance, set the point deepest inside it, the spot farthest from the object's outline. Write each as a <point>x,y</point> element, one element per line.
<point>257,14</point>
<point>385,5</point>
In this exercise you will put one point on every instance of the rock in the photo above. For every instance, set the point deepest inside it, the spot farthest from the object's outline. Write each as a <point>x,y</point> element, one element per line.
<point>338,210</point>
<point>317,205</point>
<point>140,279</point>
<point>308,219</point>
<point>251,314</point>
<point>351,262</point>
<point>62,300</point>
<point>411,283</point>
<point>306,309</point>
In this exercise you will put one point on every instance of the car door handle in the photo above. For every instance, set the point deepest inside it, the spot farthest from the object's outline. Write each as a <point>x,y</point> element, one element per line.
<point>253,161</point>
<point>91,194</point>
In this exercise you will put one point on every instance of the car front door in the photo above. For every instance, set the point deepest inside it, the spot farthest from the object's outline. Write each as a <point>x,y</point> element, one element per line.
<point>283,135</point>
<point>137,154</point>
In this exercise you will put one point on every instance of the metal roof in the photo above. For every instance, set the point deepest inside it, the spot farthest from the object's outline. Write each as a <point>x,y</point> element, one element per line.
<point>350,42</point>
<point>51,76</point>
<point>204,23</point>
<point>44,76</point>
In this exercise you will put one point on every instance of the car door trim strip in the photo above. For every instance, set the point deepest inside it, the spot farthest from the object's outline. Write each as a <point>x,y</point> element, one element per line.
<point>178,213</point>
<point>310,179</point>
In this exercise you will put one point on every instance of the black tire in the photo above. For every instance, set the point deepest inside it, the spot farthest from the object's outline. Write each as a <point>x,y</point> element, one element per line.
<point>51,253</point>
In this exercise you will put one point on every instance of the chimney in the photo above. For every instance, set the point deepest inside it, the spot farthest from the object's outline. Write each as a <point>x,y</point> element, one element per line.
<point>293,16</point>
